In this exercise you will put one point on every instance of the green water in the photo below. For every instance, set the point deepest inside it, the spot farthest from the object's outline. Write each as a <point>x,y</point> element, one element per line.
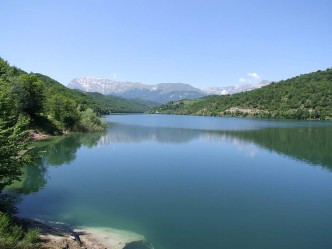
<point>191,182</point>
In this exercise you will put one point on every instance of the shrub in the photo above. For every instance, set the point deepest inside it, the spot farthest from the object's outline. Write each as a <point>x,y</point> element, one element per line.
<point>89,121</point>
<point>12,236</point>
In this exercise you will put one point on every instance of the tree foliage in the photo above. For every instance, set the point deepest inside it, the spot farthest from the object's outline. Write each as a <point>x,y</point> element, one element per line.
<point>49,106</point>
<point>13,137</point>
<point>13,140</point>
<point>29,94</point>
<point>89,121</point>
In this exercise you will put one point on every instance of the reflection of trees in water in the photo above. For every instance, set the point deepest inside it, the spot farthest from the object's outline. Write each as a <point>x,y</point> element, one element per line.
<point>34,178</point>
<point>312,144</point>
<point>64,151</point>
<point>8,201</point>
<point>59,152</point>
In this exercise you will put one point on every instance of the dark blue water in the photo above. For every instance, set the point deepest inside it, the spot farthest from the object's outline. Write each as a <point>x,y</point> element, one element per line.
<point>191,182</point>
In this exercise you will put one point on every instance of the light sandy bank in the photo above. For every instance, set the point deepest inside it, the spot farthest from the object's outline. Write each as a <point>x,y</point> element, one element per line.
<point>104,237</point>
<point>60,236</point>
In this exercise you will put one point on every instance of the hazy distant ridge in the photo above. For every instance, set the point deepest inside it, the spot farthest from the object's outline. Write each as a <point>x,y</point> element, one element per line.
<point>162,92</point>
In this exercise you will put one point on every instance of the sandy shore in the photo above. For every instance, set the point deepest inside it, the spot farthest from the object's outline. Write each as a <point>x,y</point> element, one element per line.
<point>60,236</point>
<point>107,237</point>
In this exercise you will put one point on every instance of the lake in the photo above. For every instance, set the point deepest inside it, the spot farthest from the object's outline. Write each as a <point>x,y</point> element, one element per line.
<point>188,182</point>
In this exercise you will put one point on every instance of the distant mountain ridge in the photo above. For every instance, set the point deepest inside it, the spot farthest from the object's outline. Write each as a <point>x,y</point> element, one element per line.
<point>161,93</point>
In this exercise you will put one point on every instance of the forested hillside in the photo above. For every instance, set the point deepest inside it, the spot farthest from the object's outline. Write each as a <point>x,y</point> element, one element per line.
<point>307,96</point>
<point>43,104</point>
<point>114,104</point>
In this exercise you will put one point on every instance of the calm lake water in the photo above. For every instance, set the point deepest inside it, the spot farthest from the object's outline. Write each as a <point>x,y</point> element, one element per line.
<point>191,182</point>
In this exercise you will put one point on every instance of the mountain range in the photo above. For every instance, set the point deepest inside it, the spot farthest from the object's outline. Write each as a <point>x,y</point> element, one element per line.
<point>160,93</point>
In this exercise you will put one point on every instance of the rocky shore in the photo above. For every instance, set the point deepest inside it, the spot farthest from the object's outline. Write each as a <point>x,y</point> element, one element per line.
<point>60,236</point>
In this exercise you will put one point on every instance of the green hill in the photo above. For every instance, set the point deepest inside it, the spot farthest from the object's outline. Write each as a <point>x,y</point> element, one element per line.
<point>307,96</point>
<point>114,104</point>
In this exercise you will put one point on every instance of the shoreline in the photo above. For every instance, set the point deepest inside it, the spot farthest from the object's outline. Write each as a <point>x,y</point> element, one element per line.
<point>58,235</point>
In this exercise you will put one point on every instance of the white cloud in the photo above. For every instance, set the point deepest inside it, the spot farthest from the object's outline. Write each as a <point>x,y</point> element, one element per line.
<point>252,153</point>
<point>250,78</point>
<point>254,75</point>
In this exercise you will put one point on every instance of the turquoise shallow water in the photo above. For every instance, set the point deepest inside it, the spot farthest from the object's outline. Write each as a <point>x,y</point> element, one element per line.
<point>191,182</point>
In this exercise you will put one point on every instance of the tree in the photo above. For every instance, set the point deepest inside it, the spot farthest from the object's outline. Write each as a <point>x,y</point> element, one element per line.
<point>29,93</point>
<point>64,110</point>
<point>89,121</point>
<point>14,139</point>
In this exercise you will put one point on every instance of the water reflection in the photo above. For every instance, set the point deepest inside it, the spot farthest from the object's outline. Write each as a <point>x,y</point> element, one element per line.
<point>57,152</point>
<point>9,200</point>
<point>310,144</point>
<point>63,151</point>
<point>119,133</point>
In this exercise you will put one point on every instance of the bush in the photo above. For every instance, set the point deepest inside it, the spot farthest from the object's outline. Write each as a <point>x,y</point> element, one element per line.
<point>13,236</point>
<point>89,121</point>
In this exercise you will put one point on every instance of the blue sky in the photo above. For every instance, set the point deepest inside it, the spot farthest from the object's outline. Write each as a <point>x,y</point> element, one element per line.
<point>203,43</point>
